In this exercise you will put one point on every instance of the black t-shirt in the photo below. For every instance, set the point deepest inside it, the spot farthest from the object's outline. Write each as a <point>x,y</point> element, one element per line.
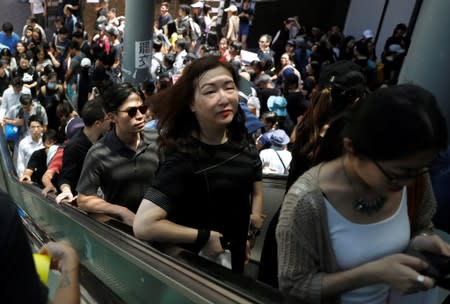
<point>38,163</point>
<point>19,282</point>
<point>245,19</point>
<point>296,105</point>
<point>210,190</point>
<point>73,158</point>
<point>4,83</point>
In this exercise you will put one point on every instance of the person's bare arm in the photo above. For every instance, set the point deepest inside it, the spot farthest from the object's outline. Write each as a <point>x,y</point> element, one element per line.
<point>66,258</point>
<point>47,182</point>
<point>399,271</point>
<point>151,224</point>
<point>257,216</point>
<point>94,204</point>
<point>26,176</point>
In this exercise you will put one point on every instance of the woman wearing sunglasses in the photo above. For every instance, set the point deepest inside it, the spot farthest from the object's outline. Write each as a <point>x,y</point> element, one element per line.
<point>209,184</point>
<point>345,223</point>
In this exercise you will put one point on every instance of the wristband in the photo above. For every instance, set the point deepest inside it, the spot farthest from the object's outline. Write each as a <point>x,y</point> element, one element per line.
<point>202,237</point>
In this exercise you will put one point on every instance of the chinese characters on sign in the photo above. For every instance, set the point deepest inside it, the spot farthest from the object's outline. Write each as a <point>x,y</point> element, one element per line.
<point>143,51</point>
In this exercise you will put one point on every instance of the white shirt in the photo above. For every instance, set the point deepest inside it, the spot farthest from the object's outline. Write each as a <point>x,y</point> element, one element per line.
<point>357,244</point>
<point>272,164</point>
<point>179,61</point>
<point>11,100</point>
<point>26,147</point>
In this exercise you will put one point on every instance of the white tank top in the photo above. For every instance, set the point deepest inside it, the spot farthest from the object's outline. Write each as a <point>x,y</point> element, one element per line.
<point>357,244</point>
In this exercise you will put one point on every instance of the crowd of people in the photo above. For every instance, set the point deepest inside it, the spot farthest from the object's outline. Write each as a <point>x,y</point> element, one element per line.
<point>181,157</point>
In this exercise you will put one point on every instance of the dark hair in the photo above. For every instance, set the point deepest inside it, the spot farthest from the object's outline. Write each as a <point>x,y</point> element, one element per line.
<point>115,95</point>
<point>181,43</point>
<point>270,118</point>
<point>35,118</point>
<point>74,45</point>
<point>50,135</point>
<point>32,18</point>
<point>164,81</point>
<point>7,27</point>
<point>318,134</point>
<point>148,87</point>
<point>78,35</point>
<point>16,81</point>
<point>24,56</point>
<point>397,122</point>
<point>169,59</point>
<point>25,99</point>
<point>63,30</point>
<point>157,44</point>
<point>206,8</point>
<point>5,52</point>
<point>176,120</point>
<point>59,19</point>
<point>93,111</point>
<point>400,26</point>
<point>63,108</point>
<point>185,8</point>
<point>51,75</point>
<point>236,45</point>
<point>79,25</point>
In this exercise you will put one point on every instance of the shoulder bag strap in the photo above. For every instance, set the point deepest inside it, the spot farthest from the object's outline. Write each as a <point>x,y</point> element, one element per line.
<point>285,169</point>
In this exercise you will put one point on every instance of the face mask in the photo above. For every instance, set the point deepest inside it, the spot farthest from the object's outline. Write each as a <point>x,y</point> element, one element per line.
<point>52,85</point>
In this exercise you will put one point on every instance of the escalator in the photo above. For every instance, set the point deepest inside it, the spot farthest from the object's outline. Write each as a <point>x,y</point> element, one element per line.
<point>116,267</point>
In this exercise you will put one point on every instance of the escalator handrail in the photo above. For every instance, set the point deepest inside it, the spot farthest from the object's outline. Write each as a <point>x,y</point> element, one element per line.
<point>175,272</point>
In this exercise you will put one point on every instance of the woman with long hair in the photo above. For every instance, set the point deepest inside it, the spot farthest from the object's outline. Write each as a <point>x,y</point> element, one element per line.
<point>345,223</point>
<point>316,139</point>
<point>208,188</point>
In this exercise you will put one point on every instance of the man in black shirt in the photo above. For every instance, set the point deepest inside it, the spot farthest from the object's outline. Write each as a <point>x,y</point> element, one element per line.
<point>122,164</point>
<point>96,123</point>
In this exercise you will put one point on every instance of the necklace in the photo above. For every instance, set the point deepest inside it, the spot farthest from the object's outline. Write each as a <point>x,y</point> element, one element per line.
<point>360,204</point>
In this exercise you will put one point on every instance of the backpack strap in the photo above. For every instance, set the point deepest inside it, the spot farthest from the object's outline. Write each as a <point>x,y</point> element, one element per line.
<point>415,197</point>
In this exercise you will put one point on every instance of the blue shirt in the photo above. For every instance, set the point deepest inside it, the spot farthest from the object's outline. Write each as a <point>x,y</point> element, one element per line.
<point>9,41</point>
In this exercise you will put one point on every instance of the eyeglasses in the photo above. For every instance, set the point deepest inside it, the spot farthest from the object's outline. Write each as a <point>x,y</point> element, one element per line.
<point>132,111</point>
<point>394,179</point>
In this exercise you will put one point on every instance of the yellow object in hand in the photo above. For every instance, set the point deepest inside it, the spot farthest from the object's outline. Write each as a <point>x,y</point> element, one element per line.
<point>42,263</point>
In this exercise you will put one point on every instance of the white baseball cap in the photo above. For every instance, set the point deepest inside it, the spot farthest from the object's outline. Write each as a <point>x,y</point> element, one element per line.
<point>368,34</point>
<point>231,8</point>
<point>198,4</point>
<point>85,62</point>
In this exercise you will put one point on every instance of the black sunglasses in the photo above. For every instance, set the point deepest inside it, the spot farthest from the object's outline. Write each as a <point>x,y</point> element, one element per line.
<point>132,111</point>
<point>394,179</point>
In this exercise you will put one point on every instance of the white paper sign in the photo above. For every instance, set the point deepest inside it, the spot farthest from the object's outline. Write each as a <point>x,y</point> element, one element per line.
<point>143,51</point>
<point>247,57</point>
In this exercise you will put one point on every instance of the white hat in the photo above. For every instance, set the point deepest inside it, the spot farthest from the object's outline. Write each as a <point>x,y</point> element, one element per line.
<point>368,34</point>
<point>85,62</point>
<point>198,4</point>
<point>231,8</point>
